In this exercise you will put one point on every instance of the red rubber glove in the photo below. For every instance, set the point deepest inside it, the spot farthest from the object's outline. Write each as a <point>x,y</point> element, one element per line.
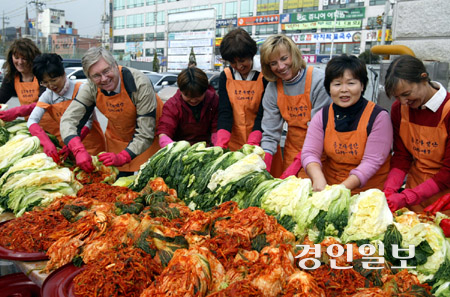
<point>214,138</point>
<point>268,160</point>
<point>84,132</point>
<point>394,181</point>
<point>47,144</point>
<point>111,159</point>
<point>413,196</point>
<point>255,138</point>
<point>294,168</point>
<point>164,140</point>
<point>445,225</point>
<point>15,112</point>
<point>64,152</point>
<point>82,157</point>
<point>223,137</point>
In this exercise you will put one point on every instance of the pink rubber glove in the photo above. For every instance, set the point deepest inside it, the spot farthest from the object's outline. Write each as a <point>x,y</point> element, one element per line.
<point>111,159</point>
<point>223,137</point>
<point>84,132</point>
<point>268,160</point>
<point>255,138</point>
<point>164,140</point>
<point>214,138</point>
<point>394,181</point>
<point>294,168</point>
<point>15,112</point>
<point>64,152</point>
<point>412,196</point>
<point>47,144</point>
<point>82,157</point>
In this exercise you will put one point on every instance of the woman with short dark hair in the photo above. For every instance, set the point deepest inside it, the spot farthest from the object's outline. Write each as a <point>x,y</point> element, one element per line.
<point>354,134</point>
<point>421,120</point>
<point>241,88</point>
<point>49,71</point>
<point>191,114</point>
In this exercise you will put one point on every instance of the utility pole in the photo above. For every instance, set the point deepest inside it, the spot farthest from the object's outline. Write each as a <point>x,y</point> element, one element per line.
<point>105,20</point>
<point>36,25</point>
<point>4,22</point>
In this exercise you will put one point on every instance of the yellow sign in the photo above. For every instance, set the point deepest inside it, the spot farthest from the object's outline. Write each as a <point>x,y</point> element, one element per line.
<point>269,7</point>
<point>388,35</point>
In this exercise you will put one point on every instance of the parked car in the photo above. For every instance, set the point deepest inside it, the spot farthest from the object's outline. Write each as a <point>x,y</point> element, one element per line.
<point>2,61</point>
<point>167,92</point>
<point>71,63</point>
<point>160,80</point>
<point>76,74</point>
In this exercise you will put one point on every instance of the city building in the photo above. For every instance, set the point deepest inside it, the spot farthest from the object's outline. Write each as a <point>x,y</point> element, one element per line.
<point>321,28</point>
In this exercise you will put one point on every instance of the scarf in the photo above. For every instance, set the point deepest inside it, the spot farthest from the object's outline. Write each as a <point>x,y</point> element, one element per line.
<point>65,88</point>
<point>347,118</point>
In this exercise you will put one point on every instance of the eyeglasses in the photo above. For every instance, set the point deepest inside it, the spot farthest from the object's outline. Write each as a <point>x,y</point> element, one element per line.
<point>52,82</point>
<point>105,72</point>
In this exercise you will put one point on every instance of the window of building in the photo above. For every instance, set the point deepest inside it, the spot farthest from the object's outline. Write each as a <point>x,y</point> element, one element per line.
<point>377,2</point>
<point>267,7</point>
<point>119,39</point>
<point>119,4</point>
<point>150,19</point>
<point>199,7</point>
<point>248,29</point>
<point>135,20</point>
<point>150,2</point>
<point>160,36</point>
<point>219,32</point>
<point>230,10</point>
<point>178,10</point>
<point>266,29</point>
<point>135,38</point>
<point>160,18</point>
<point>218,8</point>
<point>149,36</point>
<point>246,8</point>
<point>119,22</point>
<point>118,53</point>
<point>135,3</point>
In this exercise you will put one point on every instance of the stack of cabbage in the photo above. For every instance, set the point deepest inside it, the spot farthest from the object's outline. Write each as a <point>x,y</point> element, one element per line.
<point>205,176</point>
<point>29,177</point>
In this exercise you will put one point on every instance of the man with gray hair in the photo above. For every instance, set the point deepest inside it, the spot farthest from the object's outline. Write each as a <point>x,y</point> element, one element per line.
<point>127,99</point>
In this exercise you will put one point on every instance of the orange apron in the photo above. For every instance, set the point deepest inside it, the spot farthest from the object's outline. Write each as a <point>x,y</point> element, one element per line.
<point>94,142</point>
<point>121,115</point>
<point>245,97</point>
<point>345,150</point>
<point>296,111</point>
<point>28,92</point>
<point>427,146</point>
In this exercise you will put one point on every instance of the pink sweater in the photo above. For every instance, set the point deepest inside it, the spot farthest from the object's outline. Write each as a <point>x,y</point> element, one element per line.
<point>378,146</point>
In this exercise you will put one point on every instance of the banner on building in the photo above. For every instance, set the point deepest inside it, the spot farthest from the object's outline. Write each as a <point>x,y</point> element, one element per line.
<point>259,20</point>
<point>322,25</point>
<point>350,36</point>
<point>225,23</point>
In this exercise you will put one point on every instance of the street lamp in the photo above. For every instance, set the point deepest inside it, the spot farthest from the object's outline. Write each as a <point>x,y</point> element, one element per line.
<point>343,12</point>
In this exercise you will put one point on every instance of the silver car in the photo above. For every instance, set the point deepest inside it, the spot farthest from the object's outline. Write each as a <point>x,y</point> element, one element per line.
<point>160,80</point>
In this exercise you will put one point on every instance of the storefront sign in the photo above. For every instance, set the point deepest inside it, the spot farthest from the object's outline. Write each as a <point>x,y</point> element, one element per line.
<point>325,15</point>
<point>349,36</point>
<point>225,23</point>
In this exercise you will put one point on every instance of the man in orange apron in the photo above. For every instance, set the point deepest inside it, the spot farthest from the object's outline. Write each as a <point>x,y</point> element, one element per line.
<point>421,121</point>
<point>127,99</point>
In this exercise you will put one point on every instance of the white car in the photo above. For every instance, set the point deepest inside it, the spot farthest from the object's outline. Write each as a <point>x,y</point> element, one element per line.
<point>2,61</point>
<point>76,74</point>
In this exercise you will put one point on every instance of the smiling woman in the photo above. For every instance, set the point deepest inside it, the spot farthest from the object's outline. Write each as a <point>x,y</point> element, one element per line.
<point>354,134</point>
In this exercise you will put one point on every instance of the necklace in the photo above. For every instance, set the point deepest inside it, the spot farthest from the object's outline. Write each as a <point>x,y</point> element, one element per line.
<point>340,117</point>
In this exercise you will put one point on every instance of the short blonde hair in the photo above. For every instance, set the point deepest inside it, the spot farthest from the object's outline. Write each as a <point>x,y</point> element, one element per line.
<point>272,46</point>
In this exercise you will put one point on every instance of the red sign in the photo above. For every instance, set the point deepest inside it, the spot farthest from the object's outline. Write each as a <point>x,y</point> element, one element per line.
<point>259,20</point>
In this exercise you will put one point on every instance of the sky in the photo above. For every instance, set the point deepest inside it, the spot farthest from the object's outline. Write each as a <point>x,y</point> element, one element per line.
<point>85,14</point>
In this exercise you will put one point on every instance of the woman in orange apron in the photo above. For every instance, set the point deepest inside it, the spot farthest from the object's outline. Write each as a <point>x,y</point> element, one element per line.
<point>420,117</point>
<point>19,79</point>
<point>49,71</point>
<point>293,95</point>
<point>352,135</point>
<point>126,97</point>
<point>241,89</point>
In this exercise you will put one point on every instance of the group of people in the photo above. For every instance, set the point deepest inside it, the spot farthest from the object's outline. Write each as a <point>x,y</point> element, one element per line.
<point>334,134</point>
